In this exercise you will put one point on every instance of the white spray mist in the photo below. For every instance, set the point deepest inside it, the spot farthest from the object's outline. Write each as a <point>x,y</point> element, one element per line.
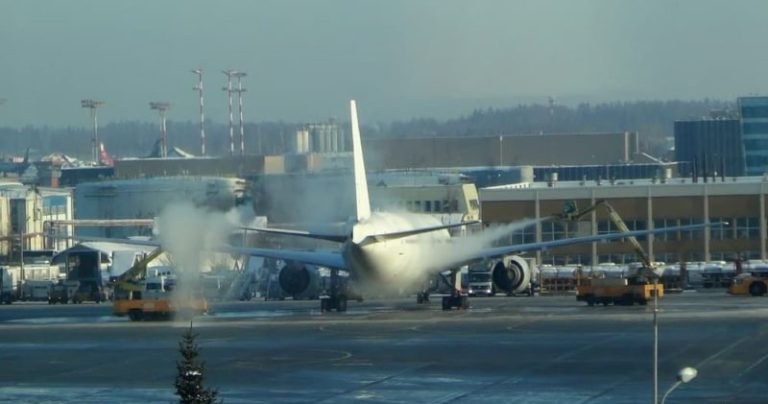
<point>189,234</point>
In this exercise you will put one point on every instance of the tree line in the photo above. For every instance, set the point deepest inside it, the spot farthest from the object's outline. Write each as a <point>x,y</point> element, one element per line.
<point>652,119</point>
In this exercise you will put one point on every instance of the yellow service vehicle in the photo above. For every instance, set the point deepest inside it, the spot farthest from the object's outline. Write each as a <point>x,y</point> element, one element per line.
<point>637,287</point>
<point>619,291</point>
<point>157,301</point>
<point>755,284</point>
<point>154,298</point>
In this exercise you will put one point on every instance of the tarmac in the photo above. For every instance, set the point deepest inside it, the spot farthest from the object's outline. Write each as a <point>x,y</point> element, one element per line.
<point>543,349</point>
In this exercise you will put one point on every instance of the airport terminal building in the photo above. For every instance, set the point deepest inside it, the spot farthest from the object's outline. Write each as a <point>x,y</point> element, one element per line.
<point>741,202</point>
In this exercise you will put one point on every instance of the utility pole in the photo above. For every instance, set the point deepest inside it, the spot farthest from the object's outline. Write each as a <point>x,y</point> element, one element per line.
<point>240,90</point>
<point>655,340</point>
<point>162,107</point>
<point>93,105</point>
<point>229,73</point>
<point>199,89</point>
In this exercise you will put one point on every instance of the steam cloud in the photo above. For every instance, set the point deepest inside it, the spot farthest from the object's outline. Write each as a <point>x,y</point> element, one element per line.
<point>436,252</point>
<point>190,234</point>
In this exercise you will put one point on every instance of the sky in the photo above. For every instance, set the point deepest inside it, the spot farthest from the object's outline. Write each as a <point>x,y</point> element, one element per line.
<point>399,58</point>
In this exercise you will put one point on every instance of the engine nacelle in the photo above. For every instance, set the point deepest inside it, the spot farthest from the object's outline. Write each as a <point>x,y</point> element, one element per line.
<point>299,281</point>
<point>511,274</point>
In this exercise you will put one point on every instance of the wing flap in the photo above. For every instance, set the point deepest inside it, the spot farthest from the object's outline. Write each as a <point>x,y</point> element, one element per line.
<point>299,233</point>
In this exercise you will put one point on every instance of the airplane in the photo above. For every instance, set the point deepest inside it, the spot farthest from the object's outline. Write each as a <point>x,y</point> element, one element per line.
<point>397,249</point>
<point>386,248</point>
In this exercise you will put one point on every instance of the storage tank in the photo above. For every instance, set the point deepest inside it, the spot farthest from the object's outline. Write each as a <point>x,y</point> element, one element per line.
<point>301,142</point>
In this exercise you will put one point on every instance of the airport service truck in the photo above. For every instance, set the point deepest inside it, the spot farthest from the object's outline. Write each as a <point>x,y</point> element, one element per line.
<point>7,293</point>
<point>63,291</point>
<point>639,286</point>
<point>480,279</point>
<point>755,284</point>
<point>36,290</point>
<point>618,291</point>
<point>143,296</point>
<point>154,298</point>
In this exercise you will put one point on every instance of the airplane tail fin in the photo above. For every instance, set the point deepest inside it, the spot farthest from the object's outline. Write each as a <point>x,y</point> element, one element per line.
<point>104,157</point>
<point>362,199</point>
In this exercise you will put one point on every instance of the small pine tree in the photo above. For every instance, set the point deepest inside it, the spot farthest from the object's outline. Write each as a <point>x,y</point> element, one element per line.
<point>191,372</point>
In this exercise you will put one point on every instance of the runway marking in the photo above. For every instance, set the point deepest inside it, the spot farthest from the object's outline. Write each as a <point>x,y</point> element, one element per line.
<point>519,325</point>
<point>720,352</point>
<point>752,366</point>
<point>362,389</point>
<point>634,375</point>
<point>343,355</point>
<point>517,379</point>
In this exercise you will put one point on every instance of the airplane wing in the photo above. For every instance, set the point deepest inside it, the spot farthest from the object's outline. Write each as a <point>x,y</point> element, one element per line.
<point>300,233</point>
<point>400,234</point>
<point>330,259</point>
<point>544,245</point>
<point>368,240</point>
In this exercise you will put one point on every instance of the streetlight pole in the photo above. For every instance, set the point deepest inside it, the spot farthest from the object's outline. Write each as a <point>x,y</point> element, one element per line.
<point>92,105</point>
<point>230,73</point>
<point>685,375</point>
<point>240,90</point>
<point>199,89</point>
<point>21,249</point>
<point>655,340</point>
<point>162,107</point>
<point>501,150</point>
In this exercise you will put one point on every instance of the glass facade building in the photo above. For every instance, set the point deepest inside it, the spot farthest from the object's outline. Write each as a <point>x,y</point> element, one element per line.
<point>754,129</point>
<point>710,147</point>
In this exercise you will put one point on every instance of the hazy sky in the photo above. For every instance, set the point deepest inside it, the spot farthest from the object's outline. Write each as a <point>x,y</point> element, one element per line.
<point>399,58</point>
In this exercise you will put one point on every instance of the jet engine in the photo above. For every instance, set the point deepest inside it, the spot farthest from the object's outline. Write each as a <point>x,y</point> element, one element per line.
<point>299,280</point>
<point>511,274</point>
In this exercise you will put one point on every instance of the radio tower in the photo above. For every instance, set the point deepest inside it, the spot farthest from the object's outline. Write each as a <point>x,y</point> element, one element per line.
<point>162,107</point>
<point>229,73</point>
<point>240,90</point>
<point>93,105</point>
<point>199,89</point>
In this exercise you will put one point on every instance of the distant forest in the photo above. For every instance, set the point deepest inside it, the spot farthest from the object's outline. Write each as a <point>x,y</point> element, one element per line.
<point>652,119</point>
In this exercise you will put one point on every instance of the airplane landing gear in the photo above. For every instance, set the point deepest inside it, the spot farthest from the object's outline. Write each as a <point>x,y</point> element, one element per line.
<point>335,299</point>
<point>457,298</point>
<point>330,303</point>
<point>422,297</point>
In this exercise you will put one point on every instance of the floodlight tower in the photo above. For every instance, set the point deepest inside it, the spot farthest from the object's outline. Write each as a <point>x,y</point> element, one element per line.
<point>162,107</point>
<point>93,105</point>
<point>199,89</point>
<point>229,73</point>
<point>240,90</point>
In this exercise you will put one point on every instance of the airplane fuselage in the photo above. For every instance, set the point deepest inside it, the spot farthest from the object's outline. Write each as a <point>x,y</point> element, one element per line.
<point>394,262</point>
